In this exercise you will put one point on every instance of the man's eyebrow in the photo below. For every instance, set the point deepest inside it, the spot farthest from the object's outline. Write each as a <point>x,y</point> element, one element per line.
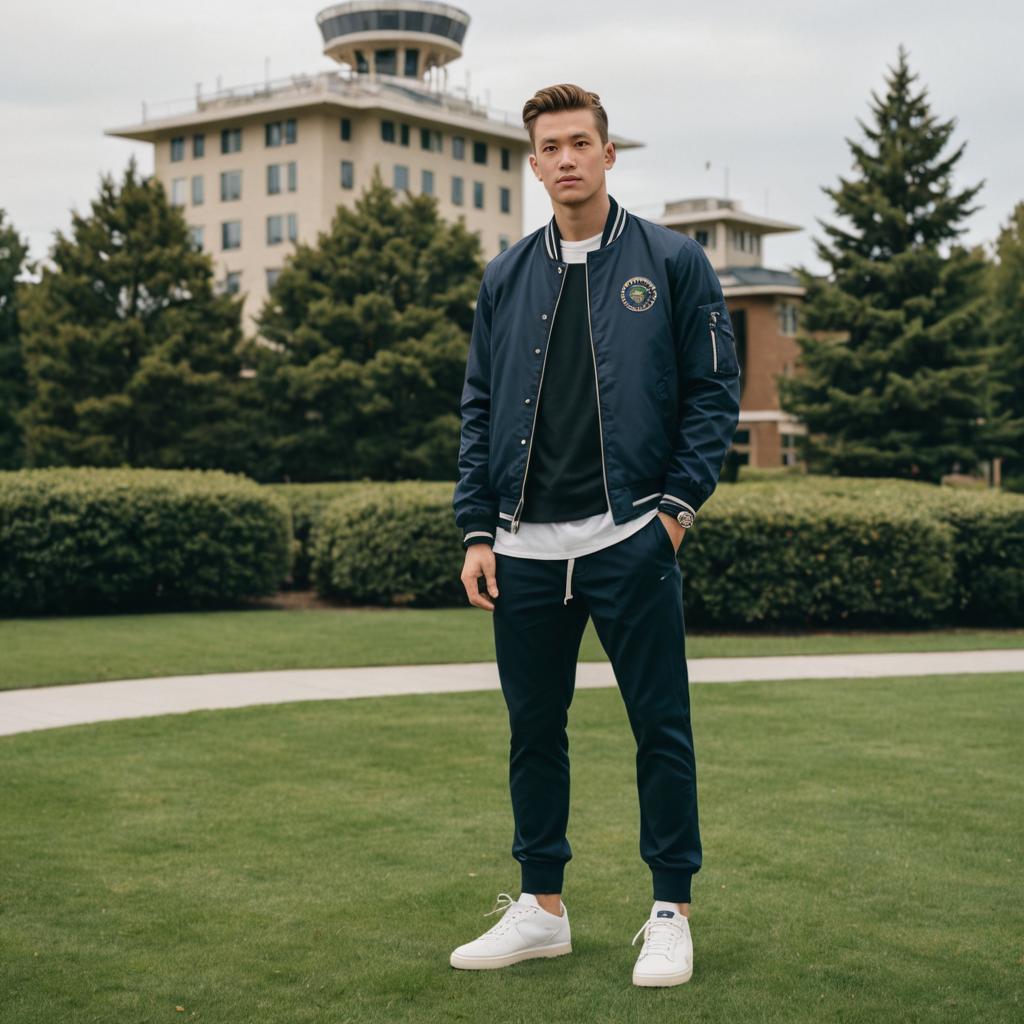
<point>575,135</point>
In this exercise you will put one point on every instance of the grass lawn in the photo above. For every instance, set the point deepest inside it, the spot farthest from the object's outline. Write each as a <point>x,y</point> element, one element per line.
<point>317,862</point>
<point>48,651</point>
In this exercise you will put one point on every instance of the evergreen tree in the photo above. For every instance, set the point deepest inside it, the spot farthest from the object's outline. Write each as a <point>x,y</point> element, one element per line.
<point>896,382</point>
<point>13,387</point>
<point>1006,293</point>
<point>362,343</point>
<point>132,359</point>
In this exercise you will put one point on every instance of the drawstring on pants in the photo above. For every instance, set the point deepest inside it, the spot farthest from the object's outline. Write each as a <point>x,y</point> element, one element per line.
<point>568,580</point>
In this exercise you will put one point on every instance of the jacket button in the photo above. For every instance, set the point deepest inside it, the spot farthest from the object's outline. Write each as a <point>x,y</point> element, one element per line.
<point>523,441</point>
<point>543,316</point>
<point>537,351</point>
<point>559,269</point>
<point>527,401</point>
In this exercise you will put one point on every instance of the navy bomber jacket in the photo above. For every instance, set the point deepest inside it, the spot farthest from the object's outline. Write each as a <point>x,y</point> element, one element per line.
<point>665,370</point>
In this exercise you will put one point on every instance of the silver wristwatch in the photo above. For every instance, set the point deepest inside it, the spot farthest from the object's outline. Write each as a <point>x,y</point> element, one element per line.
<point>685,518</point>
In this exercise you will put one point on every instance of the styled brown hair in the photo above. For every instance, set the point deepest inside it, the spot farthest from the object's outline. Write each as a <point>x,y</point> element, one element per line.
<point>564,97</point>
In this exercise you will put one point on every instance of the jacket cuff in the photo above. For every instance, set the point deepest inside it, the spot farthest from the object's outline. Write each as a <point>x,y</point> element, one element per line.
<point>478,533</point>
<point>679,497</point>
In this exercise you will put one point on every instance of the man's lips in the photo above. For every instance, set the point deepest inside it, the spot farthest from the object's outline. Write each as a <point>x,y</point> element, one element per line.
<point>567,181</point>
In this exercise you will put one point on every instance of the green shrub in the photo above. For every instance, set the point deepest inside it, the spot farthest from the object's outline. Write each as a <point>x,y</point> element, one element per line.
<point>90,539</point>
<point>307,502</point>
<point>780,556</point>
<point>393,543</point>
<point>786,549</point>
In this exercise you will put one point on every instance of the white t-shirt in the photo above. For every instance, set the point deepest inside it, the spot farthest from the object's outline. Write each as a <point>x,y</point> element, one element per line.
<point>577,537</point>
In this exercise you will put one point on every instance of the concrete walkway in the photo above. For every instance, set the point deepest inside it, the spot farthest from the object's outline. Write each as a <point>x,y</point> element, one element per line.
<point>52,706</point>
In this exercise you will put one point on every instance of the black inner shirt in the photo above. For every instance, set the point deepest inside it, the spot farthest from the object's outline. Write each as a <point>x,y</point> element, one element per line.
<point>564,479</point>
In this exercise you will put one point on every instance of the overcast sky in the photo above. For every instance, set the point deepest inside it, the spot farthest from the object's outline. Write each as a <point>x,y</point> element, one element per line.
<point>766,92</point>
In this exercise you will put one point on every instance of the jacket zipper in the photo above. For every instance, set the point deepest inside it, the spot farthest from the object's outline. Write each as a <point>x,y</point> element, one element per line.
<point>536,405</point>
<point>597,388</point>
<point>714,341</point>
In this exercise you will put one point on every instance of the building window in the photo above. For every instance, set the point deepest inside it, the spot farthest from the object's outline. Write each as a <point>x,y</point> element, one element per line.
<point>430,140</point>
<point>293,227</point>
<point>385,62</point>
<point>456,191</point>
<point>273,179</point>
<point>786,312</point>
<point>458,147</point>
<point>231,234</point>
<point>401,176</point>
<point>506,158</point>
<point>348,174</point>
<point>197,190</point>
<point>273,273</point>
<point>427,182</point>
<point>177,148</point>
<point>278,132</point>
<point>387,131</point>
<point>702,237</point>
<point>293,176</point>
<point>346,129</point>
<point>178,186</point>
<point>478,194</point>
<point>198,145</point>
<point>230,185</point>
<point>502,243</point>
<point>480,152</point>
<point>231,140</point>
<point>362,65</point>
<point>404,134</point>
<point>790,451</point>
<point>412,63</point>
<point>196,234</point>
<point>233,282</point>
<point>506,199</point>
<point>275,229</point>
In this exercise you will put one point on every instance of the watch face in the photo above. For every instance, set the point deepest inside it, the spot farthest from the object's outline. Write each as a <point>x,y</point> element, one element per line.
<point>685,519</point>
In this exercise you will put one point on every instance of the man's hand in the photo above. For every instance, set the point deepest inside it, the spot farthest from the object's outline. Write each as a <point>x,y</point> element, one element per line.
<point>675,531</point>
<point>479,562</point>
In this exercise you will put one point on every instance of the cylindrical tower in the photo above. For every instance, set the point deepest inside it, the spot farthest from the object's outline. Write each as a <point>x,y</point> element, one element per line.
<point>406,38</point>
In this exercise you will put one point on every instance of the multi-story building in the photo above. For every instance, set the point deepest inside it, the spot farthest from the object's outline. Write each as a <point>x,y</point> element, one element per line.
<point>763,306</point>
<point>257,168</point>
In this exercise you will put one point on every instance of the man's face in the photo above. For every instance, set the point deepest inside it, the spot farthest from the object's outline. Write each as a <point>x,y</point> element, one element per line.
<point>568,155</point>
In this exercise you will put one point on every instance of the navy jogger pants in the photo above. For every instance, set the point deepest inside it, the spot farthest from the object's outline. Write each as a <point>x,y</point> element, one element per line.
<point>633,592</point>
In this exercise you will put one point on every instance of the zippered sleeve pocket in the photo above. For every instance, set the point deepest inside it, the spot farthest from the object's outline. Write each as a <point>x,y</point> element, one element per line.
<point>720,339</point>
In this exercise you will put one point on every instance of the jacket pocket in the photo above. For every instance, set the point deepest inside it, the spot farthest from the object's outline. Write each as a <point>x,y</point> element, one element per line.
<point>720,339</point>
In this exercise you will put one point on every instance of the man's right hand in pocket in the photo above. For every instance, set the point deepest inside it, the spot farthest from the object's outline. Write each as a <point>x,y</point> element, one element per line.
<point>480,561</point>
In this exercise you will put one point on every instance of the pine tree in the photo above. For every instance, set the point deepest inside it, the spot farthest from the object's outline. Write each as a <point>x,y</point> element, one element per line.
<point>132,359</point>
<point>13,386</point>
<point>1006,294</point>
<point>895,380</point>
<point>362,342</point>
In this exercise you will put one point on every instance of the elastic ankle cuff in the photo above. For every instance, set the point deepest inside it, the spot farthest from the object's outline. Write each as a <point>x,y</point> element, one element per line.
<point>539,877</point>
<point>672,886</point>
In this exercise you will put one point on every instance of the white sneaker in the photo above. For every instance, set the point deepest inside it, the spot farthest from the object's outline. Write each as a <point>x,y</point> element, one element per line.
<point>526,930</point>
<point>666,957</point>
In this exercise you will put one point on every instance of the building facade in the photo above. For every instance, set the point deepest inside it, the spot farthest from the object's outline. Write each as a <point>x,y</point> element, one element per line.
<point>258,168</point>
<point>763,306</point>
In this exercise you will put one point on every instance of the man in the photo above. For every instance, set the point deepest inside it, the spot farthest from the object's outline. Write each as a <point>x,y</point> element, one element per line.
<point>601,396</point>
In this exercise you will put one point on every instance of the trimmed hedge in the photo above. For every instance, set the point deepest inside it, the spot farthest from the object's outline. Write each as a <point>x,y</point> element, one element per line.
<point>92,539</point>
<point>793,551</point>
<point>307,502</point>
<point>390,544</point>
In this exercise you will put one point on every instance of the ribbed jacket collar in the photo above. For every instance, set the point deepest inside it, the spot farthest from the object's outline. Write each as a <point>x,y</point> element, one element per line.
<point>613,227</point>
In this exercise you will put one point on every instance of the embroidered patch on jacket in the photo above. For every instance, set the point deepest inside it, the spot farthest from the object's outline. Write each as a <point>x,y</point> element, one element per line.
<point>638,294</point>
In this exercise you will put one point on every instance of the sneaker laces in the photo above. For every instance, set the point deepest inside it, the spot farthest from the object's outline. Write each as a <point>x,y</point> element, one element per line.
<point>510,904</point>
<point>660,937</point>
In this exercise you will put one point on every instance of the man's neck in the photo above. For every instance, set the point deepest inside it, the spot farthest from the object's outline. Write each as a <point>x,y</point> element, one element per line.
<point>583,220</point>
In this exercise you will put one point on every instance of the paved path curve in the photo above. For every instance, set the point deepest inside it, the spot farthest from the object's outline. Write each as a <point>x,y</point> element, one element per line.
<point>49,707</point>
